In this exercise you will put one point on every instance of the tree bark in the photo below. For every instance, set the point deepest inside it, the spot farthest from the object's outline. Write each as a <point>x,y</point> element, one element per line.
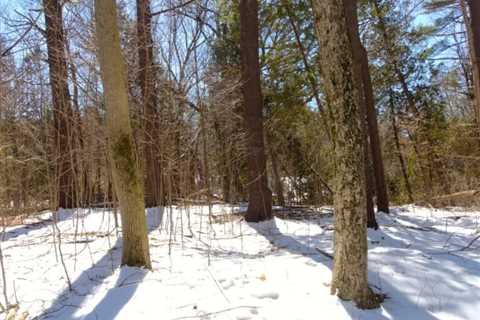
<point>372,150</point>
<point>125,168</point>
<point>343,87</point>
<point>260,196</point>
<point>474,41</point>
<point>62,108</point>
<point>146,81</point>
<point>372,126</point>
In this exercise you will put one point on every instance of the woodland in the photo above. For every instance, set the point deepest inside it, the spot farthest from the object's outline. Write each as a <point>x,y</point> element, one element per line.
<point>239,159</point>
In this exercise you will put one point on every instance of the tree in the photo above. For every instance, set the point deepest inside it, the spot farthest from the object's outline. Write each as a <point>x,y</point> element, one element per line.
<point>260,196</point>
<point>373,154</point>
<point>125,169</point>
<point>343,87</point>
<point>62,108</point>
<point>146,81</point>
<point>473,28</point>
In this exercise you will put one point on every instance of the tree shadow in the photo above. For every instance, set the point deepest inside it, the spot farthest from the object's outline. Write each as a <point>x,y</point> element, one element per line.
<point>62,215</point>
<point>68,302</point>
<point>297,245</point>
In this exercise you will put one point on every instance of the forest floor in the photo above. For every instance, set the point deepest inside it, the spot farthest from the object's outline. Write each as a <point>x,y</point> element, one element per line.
<point>426,261</point>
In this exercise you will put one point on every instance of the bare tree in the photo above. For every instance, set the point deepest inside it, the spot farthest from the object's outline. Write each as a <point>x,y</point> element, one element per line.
<point>146,81</point>
<point>62,108</point>
<point>125,168</point>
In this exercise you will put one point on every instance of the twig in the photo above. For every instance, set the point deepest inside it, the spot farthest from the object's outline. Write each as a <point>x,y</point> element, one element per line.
<point>216,312</point>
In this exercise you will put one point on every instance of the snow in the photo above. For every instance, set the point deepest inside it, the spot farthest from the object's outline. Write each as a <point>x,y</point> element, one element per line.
<point>278,269</point>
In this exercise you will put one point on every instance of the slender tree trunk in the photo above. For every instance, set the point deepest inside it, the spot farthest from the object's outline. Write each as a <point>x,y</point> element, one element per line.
<point>260,196</point>
<point>473,28</point>
<point>324,114</point>
<point>393,60</point>
<point>403,167</point>
<point>62,109</point>
<point>127,178</point>
<point>372,126</point>
<point>276,175</point>
<point>343,87</point>
<point>223,154</point>
<point>146,81</point>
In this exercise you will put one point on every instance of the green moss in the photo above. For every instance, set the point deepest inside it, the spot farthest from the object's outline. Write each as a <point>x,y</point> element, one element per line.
<point>123,155</point>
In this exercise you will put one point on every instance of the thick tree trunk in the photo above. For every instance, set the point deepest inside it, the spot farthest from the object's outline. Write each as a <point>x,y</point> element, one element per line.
<point>343,87</point>
<point>62,108</point>
<point>260,196</point>
<point>126,173</point>
<point>372,141</point>
<point>146,81</point>
<point>474,41</point>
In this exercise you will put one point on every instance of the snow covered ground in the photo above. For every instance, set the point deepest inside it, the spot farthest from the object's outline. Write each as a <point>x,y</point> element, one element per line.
<point>423,259</point>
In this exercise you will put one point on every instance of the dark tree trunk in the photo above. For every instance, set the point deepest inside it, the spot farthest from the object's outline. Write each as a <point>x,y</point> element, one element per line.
<point>146,81</point>
<point>343,86</point>
<point>474,32</point>
<point>372,126</point>
<point>260,196</point>
<point>62,109</point>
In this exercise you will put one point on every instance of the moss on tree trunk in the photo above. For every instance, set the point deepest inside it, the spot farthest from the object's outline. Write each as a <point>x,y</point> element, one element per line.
<point>127,178</point>
<point>343,87</point>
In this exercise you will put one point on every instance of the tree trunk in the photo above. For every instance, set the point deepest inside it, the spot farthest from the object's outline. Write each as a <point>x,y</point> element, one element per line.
<point>393,60</point>
<point>369,189</point>
<point>146,81</point>
<point>276,175</point>
<point>126,173</point>
<point>260,196</point>
<point>62,109</point>
<point>343,87</point>
<point>223,154</point>
<point>372,126</point>
<point>372,140</point>
<point>474,41</point>
<point>403,167</point>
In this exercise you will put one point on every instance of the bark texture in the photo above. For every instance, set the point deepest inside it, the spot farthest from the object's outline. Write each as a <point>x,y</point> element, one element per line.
<point>343,87</point>
<point>62,108</point>
<point>474,37</point>
<point>125,169</point>
<point>372,129</point>
<point>146,80</point>
<point>260,196</point>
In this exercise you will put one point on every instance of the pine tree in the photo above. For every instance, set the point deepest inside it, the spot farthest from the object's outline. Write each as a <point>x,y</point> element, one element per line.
<point>260,196</point>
